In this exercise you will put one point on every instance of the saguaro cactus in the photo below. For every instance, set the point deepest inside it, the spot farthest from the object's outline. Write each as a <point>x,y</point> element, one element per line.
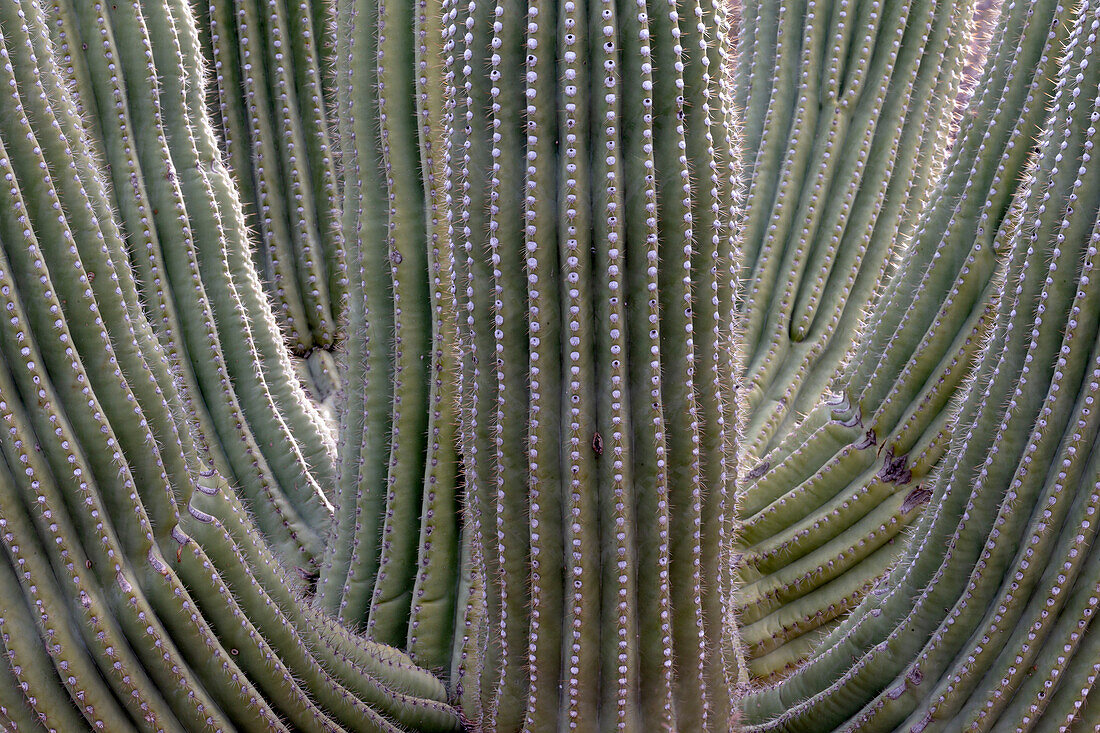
<point>268,61</point>
<point>393,566</point>
<point>199,290</point>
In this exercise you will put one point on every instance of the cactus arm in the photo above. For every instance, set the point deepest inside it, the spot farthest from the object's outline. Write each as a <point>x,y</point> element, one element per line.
<point>273,218</point>
<point>272,400</point>
<point>979,531</point>
<point>1049,360</point>
<point>33,658</point>
<point>137,210</point>
<point>94,431</point>
<point>98,627</point>
<point>307,263</point>
<point>81,245</point>
<point>33,696</point>
<point>254,653</point>
<point>355,704</point>
<point>767,110</point>
<point>176,245</point>
<point>952,345</point>
<point>1020,630</point>
<point>347,656</point>
<point>1013,117</point>
<point>309,28</point>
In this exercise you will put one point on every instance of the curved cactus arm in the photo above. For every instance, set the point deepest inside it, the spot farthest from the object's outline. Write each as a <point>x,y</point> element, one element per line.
<point>281,148</point>
<point>289,121</point>
<point>164,198</point>
<point>230,280</point>
<point>33,697</point>
<point>38,654</point>
<point>251,617</point>
<point>833,238</point>
<point>244,555</point>
<point>311,26</point>
<point>106,447</point>
<point>891,441</point>
<point>972,598</point>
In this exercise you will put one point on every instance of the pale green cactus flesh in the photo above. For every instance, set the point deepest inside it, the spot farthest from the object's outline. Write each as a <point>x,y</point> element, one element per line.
<point>392,565</point>
<point>267,58</point>
<point>374,365</point>
<point>843,146</point>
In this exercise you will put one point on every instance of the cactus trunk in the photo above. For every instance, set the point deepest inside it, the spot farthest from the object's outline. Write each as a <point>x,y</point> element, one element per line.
<point>592,239</point>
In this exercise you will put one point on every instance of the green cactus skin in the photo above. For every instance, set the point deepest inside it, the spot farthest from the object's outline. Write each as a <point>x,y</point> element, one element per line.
<point>596,430</point>
<point>138,593</point>
<point>992,599</point>
<point>814,506</point>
